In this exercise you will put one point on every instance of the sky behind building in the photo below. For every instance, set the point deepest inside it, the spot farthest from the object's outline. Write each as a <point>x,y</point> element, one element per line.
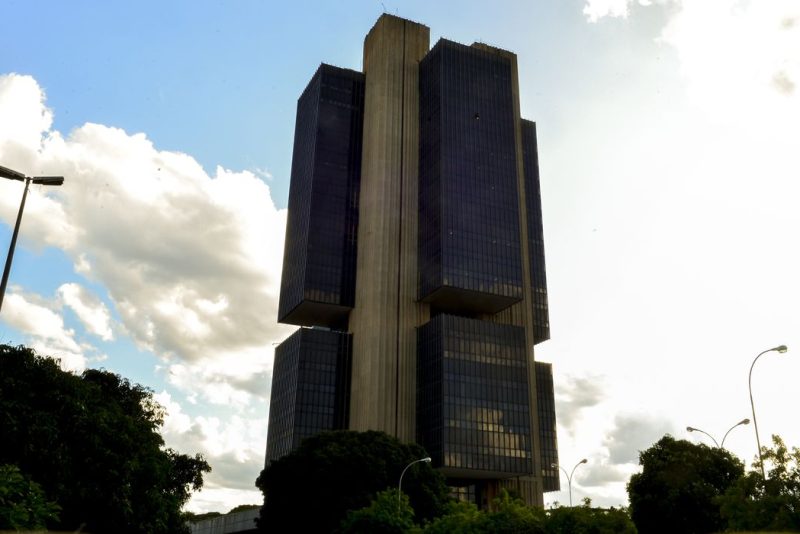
<point>668,140</point>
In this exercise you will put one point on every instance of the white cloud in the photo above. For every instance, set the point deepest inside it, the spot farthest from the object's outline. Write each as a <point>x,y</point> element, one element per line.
<point>234,447</point>
<point>90,310</point>
<point>191,262</point>
<point>633,433</point>
<point>49,336</point>
<point>597,9</point>
<point>573,395</point>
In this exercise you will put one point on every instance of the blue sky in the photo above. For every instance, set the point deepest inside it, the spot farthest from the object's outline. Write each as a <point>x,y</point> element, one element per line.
<point>668,134</point>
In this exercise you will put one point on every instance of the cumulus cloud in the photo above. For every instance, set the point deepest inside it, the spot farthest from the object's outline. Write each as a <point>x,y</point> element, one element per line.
<point>234,447</point>
<point>574,394</point>
<point>190,261</point>
<point>40,320</point>
<point>600,474</point>
<point>633,433</point>
<point>90,310</point>
<point>597,9</point>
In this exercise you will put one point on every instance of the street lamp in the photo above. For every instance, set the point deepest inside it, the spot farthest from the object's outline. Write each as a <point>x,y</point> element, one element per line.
<point>569,476</point>
<point>427,460</point>
<point>742,422</point>
<point>722,444</point>
<point>781,349</point>
<point>40,180</point>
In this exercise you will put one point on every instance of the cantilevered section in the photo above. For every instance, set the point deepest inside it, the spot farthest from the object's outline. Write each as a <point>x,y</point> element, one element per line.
<point>310,388</point>
<point>318,281</point>
<point>469,247</point>
<point>473,415</point>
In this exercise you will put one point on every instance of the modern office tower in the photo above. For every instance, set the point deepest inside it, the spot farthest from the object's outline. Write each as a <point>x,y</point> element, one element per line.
<point>415,263</point>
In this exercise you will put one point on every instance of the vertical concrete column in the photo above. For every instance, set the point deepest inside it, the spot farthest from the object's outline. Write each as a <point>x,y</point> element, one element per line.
<point>382,322</point>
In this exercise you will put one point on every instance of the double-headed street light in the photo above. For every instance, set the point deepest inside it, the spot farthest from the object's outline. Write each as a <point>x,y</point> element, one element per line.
<point>569,476</point>
<point>781,349</point>
<point>40,180</point>
<point>722,444</point>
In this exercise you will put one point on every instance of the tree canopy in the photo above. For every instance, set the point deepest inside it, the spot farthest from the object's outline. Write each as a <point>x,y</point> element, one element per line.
<point>91,442</point>
<point>752,504</point>
<point>342,471</point>
<point>679,487</point>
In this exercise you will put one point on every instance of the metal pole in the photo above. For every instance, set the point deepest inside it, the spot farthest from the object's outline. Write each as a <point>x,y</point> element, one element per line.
<point>742,422</point>
<point>569,476</point>
<point>10,257</point>
<point>781,348</point>
<point>400,483</point>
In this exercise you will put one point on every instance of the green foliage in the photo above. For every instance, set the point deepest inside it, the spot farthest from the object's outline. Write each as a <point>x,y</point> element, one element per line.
<point>194,518</point>
<point>92,443</point>
<point>587,520</point>
<point>385,515</point>
<point>461,517</point>
<point>243,507</point>
<point>341,471</point>
<point>508,516</point>
<point>23,504</point>
<point>774,505</point>
<point>679,487</point>
<point>512,516</point>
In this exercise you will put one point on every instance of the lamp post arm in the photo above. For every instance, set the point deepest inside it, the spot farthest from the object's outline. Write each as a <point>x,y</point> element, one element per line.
<point>707,434</point>
<point>400,482</point>
<point>753,409</point>
<point>10,257</point>
<point>742,422</point>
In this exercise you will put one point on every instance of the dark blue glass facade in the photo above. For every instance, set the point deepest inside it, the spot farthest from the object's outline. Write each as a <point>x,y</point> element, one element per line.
<point>469,246</point>
<point>472,405</point>
<point>310,388</point>
<point>533,208</point>
<point>319,266</point>
<point>548,443</point>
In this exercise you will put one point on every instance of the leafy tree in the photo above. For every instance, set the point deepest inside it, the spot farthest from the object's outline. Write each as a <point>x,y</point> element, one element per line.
<point>588,520</point>
<point>461,517</point>
<point>341,471</point>
<point>752,504</point>
<point>509,515</point>
<point>512,516</point>
<point>92,443</point>
<point>385,515</point>
<point>679,487</point>
<point>243,507</point>
<point>23,504</point>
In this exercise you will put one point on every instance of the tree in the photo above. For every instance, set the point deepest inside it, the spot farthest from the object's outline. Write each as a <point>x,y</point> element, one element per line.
<point>679,487</point>
<point>385,515</point>
<point>588,520</point>
<point>341,471</point>
<point>512,516</point>
<point>23,504</point>
<point>92,443</point>
<point>461,517</point>
<point>752,504</point>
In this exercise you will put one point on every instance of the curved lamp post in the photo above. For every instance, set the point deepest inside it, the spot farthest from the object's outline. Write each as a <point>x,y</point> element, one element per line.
<point>720,445</point>
<point>14,175</point>
<point>781,349</point>
<point>569,476</point>
<point>427,460</point>
<point>742,422</point>
<point>692,429</point>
